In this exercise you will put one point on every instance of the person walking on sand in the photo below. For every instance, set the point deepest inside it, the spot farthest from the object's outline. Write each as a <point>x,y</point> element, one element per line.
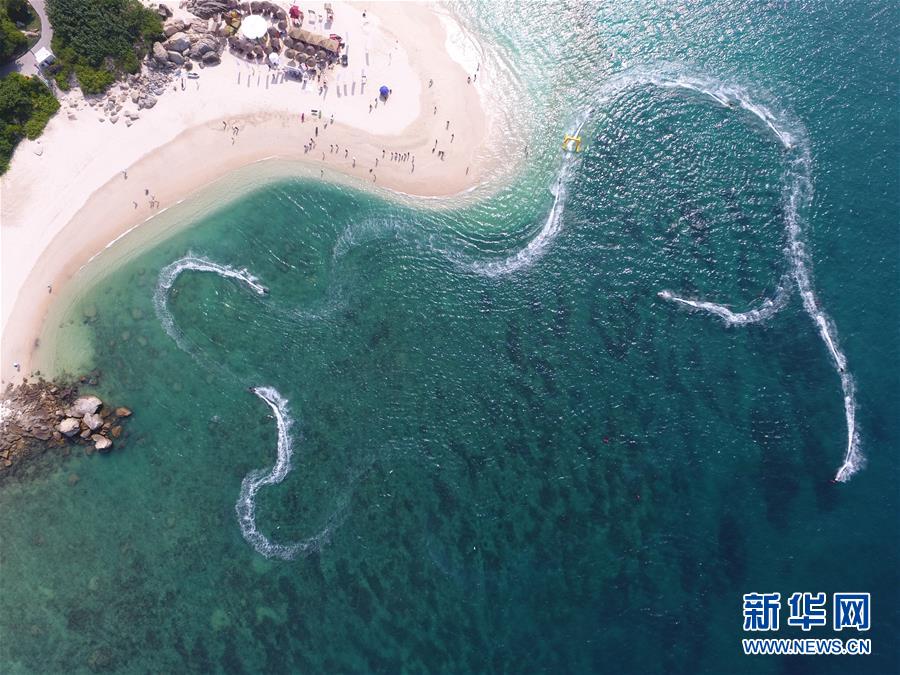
<point>317,130</point>
<point>452,136</point>
<point>49,288</point>
<point>448,125</point>
<point>224,125</point>
<point>302,117</point>
<point>346,152</point>
<point>125,175</point>
<point>354,162</point>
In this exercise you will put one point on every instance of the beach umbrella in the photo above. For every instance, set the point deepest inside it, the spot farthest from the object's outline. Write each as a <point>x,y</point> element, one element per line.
<point>310,50</point>
<point>384,91</point>
<point>254,26</point>
<point>273,59</point>
<point>295,12</point>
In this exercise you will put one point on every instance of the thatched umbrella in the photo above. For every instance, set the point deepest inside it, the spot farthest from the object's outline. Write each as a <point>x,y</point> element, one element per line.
<point>310,50</point>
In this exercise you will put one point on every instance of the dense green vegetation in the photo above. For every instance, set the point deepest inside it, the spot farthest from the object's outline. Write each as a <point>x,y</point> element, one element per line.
<point>26,105</point>
<point>19,11</point>
<point>12,40</point>
<point>98,40</point>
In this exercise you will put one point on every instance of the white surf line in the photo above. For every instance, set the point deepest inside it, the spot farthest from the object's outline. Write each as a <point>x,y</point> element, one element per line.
<point>253,481</point>
<point>170,273</point>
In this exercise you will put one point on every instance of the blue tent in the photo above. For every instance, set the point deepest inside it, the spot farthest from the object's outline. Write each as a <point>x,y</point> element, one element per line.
<point>384,91</point>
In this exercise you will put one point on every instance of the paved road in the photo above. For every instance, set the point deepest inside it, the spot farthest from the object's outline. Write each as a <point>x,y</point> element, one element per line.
<point>26,64</point>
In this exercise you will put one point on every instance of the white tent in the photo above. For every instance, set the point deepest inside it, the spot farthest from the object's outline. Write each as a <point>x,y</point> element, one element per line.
<point>254,26</point>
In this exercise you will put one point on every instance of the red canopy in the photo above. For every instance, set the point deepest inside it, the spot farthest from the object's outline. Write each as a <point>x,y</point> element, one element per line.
<point>295,12</point>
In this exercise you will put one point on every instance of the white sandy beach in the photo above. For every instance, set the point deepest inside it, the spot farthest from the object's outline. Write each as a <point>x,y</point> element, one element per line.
<point>60,207</point>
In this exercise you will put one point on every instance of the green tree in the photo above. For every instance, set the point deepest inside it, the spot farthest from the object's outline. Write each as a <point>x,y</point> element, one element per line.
<point>12,40</point>
<point>26,105</point>
<point>19,10</point>
<point>100,36</point>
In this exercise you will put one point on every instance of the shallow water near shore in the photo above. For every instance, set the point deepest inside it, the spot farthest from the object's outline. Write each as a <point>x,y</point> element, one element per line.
<point>509,453</point>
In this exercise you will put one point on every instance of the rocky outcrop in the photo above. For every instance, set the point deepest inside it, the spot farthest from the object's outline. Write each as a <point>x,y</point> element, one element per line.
<point>42,416</point>
<point>208,8</point>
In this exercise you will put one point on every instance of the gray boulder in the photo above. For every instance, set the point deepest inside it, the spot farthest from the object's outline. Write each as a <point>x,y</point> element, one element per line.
<point>69,426</point>
<point>84,405</point>
<point>93,421</point>
<point>176,58</point>
<point>202,46</point>
<point>102,443</point>
<point>178,42</point>
<point>211,58</point>
<point>159,53</point>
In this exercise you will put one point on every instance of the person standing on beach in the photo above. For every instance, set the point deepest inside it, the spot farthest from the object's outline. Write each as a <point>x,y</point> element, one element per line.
<point>448,125</point>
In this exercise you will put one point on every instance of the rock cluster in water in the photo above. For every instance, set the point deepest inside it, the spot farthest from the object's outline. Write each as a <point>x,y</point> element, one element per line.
<point>42,415</point>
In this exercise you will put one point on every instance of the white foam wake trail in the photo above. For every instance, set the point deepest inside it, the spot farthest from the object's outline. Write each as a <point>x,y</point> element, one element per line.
<point>768,308</point>
<point>170,273</point>
<point>253,481</point>
<point>542,240</point>
<point>797,192</point>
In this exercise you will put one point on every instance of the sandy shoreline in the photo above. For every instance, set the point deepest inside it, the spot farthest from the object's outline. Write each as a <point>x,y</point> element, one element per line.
<point>60,208</point>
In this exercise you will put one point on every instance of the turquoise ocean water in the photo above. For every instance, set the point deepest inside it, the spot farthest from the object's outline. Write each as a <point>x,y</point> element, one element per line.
<point>501,449</point>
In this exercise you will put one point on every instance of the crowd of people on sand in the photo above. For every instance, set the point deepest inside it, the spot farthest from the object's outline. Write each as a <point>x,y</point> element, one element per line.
<point>397,157</point>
